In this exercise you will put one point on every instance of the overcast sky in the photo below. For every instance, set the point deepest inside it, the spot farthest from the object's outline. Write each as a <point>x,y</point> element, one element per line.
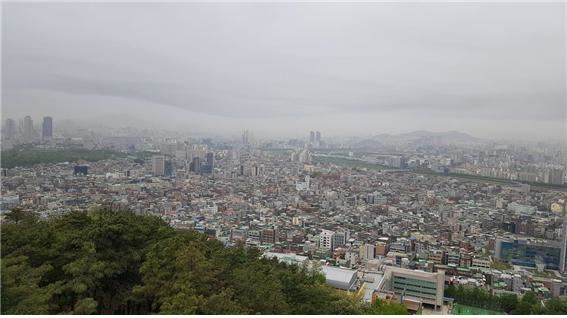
<point>491,70</point>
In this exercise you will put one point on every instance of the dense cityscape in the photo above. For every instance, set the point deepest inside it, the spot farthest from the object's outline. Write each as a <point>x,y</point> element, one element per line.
<point>440,209</point>
<point>283,158</point>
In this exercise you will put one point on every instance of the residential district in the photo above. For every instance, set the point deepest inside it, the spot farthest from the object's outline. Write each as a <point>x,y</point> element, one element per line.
<point>396,224</point>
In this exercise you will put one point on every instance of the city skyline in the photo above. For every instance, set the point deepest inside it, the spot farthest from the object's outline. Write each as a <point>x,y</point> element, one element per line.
<point>12,126</point>
<point>297,158</point>
<point>354,70</point>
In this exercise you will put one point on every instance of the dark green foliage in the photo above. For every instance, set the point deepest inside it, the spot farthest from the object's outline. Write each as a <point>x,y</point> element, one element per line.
<point>19,157</point>
<point>481,298</point>
<point>106,262</point>
<point>556,307</point>
<point>528,304</point>
<point>380,308</point>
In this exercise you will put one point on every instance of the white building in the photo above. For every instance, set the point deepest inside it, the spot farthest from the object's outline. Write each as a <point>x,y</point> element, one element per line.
<point>303,186</point>
<point>326,239</point>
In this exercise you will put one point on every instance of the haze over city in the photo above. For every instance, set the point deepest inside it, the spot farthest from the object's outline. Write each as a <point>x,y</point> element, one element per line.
<point>493,70</point>
<point>283,158</point>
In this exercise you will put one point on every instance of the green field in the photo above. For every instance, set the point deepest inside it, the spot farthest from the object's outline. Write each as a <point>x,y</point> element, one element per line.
<point>459,309</point>
<point>16,157</point>
<point>348,163</point>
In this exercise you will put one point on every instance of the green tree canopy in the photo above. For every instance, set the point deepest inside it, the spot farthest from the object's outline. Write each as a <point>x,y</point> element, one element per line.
<point>115,262</point>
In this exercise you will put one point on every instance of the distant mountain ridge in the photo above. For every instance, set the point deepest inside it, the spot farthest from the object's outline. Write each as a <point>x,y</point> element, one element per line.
<point>424,133</point>
<point>418,136</point>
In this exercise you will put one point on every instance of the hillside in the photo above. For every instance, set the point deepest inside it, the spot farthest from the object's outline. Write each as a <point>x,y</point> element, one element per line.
<point>104,262</point>
<point>415,138</point>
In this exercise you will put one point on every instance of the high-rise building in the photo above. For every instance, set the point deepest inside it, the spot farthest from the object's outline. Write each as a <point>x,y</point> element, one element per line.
<point>158,165</point>
<point>245,136</point>
<point>318,138</point>
<point>168,168</point>
<point>210,158</point>
<point>339,239</point>
<point>28,128</point>
<point>554,176</point>
<point>326,239</point>
<point>195,165</point>
<point>47,128</point>
<point>207,167</point>
<point>367,251</point>
<point>311,137</point>
<point>268,236</point>
<point>563,255</point>
<point>10,129</point>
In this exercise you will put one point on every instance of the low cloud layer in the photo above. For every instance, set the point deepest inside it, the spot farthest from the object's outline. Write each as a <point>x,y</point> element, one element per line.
<point>282,68</point>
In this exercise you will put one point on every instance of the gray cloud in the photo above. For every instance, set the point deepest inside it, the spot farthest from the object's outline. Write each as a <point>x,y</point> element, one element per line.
<point>284,65</point>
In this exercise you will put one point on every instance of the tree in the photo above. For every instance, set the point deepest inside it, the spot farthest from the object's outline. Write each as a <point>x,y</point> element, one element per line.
<point>556,306</point>
<point>18,215</point>
<point>223,303</point>
<point>508,302</point>
<point>529,304</point>
<point>21,293</point>
<point>85,306</point>
<point>381,308</point>
<point>258,290</point>
<point>114,262</point>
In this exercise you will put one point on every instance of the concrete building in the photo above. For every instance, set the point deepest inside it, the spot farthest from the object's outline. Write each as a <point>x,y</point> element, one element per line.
<point>290,259</point>
<point>563,244</point>
<point>481,262</point>
<point>268,236</point>
<point>437,257</point>
<point>47,128</point>
<point>339,239</point>
<point>340,278</point>
<point>158,165</point>
<point>10,129</point>
<point>326,239</point>
<point>528,253</point>
<point>367,251</point>
<point>28,128</point>
<point>428,287</point>
<point>381,248</point>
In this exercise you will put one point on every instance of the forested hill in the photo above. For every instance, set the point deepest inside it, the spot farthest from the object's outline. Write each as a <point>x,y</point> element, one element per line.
<point>105,262</point>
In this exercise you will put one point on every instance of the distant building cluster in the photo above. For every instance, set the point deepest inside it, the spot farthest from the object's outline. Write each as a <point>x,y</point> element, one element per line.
<point>372,223</point>
<point>25,131</point>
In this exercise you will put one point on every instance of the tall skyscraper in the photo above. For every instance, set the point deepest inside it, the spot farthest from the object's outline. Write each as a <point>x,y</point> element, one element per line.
<point>554,176</point>
<point>318,138</point>
<point>245,137</point>
<point>210,158</point>
<point>208,165</point>
<point>47,128</point>
<point>563,259</point>
<point>195,165</point>
<point>168,168</point>
<point>311,137</point>
<point>28,128</point>
<point>10,129</point>
<point>158,165</point>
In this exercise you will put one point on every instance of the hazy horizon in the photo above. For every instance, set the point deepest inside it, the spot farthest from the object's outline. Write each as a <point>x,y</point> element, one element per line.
<point>489,70</point>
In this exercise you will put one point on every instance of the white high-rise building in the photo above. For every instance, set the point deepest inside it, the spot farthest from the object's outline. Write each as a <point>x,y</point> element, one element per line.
<point>367,251</point>
<point>326,239</point>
